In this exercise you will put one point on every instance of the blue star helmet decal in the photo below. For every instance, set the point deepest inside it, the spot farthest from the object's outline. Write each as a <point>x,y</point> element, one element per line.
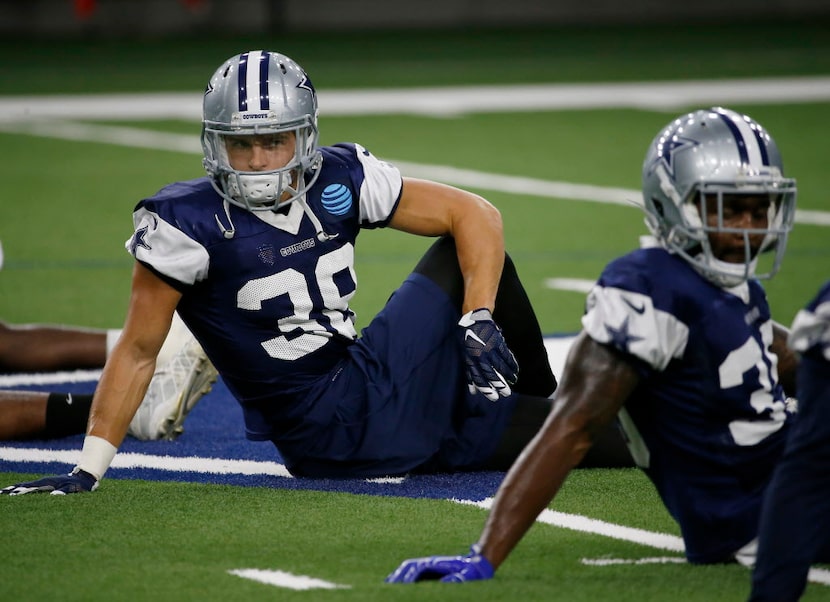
<point>667,149</point>
<point>306,84</point>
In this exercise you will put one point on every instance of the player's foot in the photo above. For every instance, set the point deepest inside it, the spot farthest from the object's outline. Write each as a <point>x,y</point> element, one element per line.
<point>175,388</point>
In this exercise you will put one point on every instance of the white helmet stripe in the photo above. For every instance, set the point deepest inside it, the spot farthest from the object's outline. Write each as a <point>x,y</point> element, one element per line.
<point>751,146</point>
<point>250,85</point>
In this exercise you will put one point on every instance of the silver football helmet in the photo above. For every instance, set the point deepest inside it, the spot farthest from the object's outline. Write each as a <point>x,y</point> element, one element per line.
<point>708,154</point>
<point>260,92</point>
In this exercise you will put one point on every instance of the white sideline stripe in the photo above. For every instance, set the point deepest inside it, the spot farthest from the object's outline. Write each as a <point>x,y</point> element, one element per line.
<point>287,580</point>
<point>387,480</point>
<point>49,378</point>
<point>577,285</point>
<point>196,464</point>
<point>469,178</point>
<point>522,185</point>
<point>576,522</point>
<point>110,134</point>
<point>817,575</point>
<point>169,463</point>
<point>557,349</point>
<point>615,561</point>
<point>444,101</point>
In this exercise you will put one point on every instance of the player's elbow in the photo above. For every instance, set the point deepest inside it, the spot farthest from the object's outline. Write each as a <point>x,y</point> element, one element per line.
<point>492,214</point>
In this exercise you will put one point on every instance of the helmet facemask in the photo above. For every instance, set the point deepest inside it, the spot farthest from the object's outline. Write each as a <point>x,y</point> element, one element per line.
<point>701,227</point>
<point>263,190</point>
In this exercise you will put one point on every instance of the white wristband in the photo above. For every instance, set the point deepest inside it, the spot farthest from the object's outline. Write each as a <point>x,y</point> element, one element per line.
<point>96,456</point>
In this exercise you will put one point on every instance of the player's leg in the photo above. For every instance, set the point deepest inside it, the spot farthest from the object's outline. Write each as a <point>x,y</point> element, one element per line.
<point>388,409</point>
<point>46,347</point>
<point>608,451</point>
<point>517,319</point>
<point>182,377</point>
<point>40,415</point>
<point>513,313</point>
<point>794,530</point>
<point>43,348</point>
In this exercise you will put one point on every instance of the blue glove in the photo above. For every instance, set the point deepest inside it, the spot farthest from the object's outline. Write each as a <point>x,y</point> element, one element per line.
<point>449,569</point>
<point>491,367</point>
<point>77,481</point>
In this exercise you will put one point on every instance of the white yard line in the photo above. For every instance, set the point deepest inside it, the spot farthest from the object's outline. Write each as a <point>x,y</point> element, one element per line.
<point>8,381</point>
<point>50,116</point>
<point>193,464</point>
<point>444,101</point>
<point>466,178</point>
<point>576,285</point>
<point>286,580</point>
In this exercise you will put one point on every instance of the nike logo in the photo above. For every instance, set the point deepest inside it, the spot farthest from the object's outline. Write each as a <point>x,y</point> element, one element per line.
<point>469,334</point>
<point>69,399</point>
<point>637,308</point>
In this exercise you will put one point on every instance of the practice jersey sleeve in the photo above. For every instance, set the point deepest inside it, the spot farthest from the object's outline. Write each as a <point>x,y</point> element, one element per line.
<point>810,330</point>
<point>380,189</point>
<point>167,249</point>
<point>623,311</point>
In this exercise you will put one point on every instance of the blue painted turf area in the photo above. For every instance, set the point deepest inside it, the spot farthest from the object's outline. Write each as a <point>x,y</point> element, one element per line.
<point>214,429</point>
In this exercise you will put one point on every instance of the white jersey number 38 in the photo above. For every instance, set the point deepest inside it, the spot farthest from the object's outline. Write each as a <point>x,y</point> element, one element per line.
<point>314,334</point>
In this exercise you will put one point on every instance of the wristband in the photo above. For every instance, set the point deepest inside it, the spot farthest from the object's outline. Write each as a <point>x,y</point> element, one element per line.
<point>96,455</point>
<point>471,317</point>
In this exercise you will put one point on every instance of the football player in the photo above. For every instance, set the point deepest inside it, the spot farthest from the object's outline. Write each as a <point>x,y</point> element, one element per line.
<point>182,376</point>
<point>795,524</point>
<point>258,259</point>
<point>678,342</point>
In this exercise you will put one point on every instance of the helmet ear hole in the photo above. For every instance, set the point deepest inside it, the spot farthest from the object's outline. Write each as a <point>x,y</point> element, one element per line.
<point>658,207</point>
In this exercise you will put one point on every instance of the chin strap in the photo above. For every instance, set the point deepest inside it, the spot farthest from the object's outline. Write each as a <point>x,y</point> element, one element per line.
<point>318,227</point>
<point>226,232</point>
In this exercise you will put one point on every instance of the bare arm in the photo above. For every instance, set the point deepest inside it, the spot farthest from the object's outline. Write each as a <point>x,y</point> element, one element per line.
<point>596,382</point>
<point>433,209</point>
<point>787,358</point>
<point>130,366</point>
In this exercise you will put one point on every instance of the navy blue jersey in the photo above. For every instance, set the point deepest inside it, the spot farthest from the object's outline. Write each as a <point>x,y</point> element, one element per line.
<point>269,302</point>
<point>269,305</point>
<point>709,417</point>
<point>795,523</point>
<point>810,332</point>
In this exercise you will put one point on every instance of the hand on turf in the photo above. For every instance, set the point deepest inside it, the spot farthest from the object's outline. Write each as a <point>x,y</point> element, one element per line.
<point>449,569</point>
<point>491,367</point>
<point>77,481</point>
